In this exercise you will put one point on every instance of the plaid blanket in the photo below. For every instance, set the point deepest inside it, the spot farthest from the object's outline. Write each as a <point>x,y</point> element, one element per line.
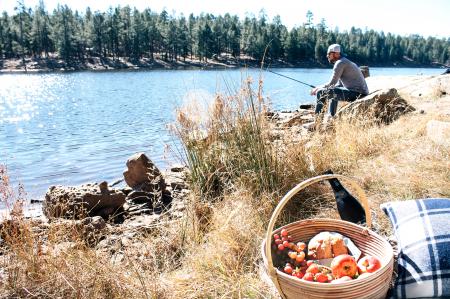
<point>422,228</point>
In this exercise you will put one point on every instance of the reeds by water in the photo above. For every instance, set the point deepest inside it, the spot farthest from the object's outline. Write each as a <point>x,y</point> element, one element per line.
<point>231,146</point>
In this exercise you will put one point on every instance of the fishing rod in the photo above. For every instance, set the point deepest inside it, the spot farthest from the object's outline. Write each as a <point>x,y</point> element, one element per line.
<point>291,78</point>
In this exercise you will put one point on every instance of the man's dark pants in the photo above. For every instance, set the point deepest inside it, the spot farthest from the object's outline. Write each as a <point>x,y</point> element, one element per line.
<point>335,95</point>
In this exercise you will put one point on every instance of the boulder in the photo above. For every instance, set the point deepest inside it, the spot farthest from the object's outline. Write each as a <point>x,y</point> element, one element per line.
<point>91,229</point>
<point>142,202</point>
<point>381,107</point>
<point>439,132</point>
<point>82,201</point>
<point>177,179</point>
<point>140,169</point>
<point>88,230</point>
<point>292,118</point>
<point>147,186</point>
<point>141,222</point>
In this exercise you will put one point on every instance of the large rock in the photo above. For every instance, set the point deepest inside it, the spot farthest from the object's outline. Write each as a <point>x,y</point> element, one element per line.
<point>140,169</point>
<point>147,186</point>
<point>91,229</point>
<point>141,202</point>
<point>85,200</point>
<point>382,107</point>
<point>176,178</point>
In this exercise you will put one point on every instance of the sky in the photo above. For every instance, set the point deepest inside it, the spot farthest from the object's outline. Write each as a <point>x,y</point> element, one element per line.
<point>402,17</point>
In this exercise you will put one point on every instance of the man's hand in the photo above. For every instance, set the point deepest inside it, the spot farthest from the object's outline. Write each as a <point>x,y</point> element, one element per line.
<point>313,91</point>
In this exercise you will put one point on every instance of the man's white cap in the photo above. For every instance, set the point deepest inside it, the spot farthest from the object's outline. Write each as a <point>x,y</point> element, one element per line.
<point>334,48</point>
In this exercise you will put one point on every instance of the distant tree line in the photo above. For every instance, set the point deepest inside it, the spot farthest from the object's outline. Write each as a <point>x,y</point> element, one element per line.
<point>134,34</point>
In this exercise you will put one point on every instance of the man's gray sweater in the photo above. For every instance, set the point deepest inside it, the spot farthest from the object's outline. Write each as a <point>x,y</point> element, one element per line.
<point>349,76</point>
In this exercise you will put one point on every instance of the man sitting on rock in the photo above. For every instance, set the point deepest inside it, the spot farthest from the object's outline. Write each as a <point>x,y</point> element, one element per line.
<point>346,84</point>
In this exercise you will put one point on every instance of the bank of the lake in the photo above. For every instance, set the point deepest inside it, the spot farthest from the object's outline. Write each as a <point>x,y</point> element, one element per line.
<point>55,64</point>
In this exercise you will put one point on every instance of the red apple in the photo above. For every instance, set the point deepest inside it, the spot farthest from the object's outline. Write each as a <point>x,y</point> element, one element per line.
<point>368,264</point>
<point>342,279</point>
<point>344,265</point>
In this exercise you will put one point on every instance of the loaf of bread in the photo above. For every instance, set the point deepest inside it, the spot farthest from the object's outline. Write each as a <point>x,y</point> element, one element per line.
<point>338,246</point>
<point>325,245</point>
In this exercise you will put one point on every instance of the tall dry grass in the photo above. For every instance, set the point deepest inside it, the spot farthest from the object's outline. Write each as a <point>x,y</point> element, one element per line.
<point>231,145</point>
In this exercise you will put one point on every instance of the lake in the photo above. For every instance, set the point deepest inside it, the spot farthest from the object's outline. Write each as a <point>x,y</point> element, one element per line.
<point>74,128</point>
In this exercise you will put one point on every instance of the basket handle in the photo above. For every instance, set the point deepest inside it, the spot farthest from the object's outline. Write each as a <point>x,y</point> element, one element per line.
<point>361,194</point>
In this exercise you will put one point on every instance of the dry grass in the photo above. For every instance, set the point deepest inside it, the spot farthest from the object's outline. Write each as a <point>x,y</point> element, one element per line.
<point>214,250</point>
<point>227,143</point>
<point>225,264</point>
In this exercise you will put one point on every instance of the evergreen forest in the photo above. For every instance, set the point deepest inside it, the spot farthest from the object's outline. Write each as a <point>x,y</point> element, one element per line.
<point>125,32</point>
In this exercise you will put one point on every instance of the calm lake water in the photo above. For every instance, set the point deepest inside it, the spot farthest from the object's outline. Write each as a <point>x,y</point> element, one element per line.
<point>74,128</point>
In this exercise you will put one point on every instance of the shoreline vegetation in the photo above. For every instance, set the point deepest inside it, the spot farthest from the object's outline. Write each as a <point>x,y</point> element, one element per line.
<point>240,165</point>
<point>55,64</point>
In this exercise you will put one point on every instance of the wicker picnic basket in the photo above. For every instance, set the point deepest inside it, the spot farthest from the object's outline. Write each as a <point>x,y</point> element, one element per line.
<point>370,243</point>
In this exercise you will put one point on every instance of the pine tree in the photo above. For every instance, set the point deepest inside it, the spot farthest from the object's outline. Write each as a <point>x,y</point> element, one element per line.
<point>137,34</point>
<point>183,37</point>
<point>63,32</point>
<point>21,19</point>
<point>40,35</point>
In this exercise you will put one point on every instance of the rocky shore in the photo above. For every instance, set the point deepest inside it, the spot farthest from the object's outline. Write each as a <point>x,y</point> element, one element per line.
<point>106,216</point>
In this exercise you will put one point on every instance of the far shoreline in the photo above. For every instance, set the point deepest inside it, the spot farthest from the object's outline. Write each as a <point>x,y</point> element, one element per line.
<point>96,64</point>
